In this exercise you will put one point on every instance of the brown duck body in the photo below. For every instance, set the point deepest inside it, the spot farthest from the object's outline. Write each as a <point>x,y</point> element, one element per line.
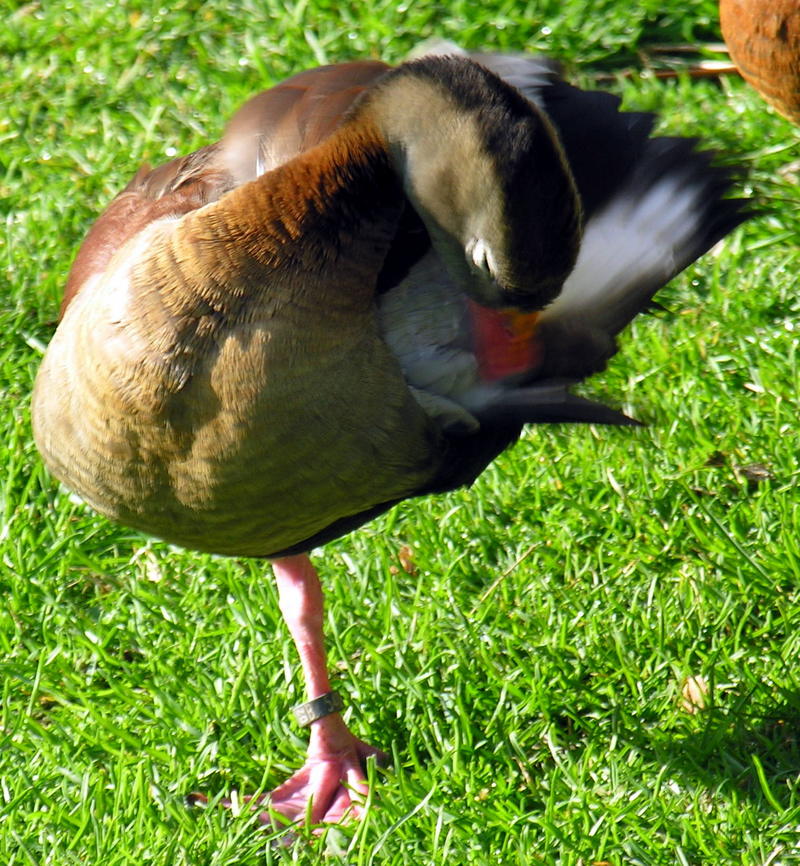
<point>219,378</point>
<point>763,37</point>
<point>240,417</point>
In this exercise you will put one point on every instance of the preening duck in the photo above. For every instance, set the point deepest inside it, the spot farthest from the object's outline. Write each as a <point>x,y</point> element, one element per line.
<point>359,295</point>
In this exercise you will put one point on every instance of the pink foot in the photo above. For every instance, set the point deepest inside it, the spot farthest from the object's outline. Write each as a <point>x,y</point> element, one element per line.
<point>328,789</point>
<point>331,787</point>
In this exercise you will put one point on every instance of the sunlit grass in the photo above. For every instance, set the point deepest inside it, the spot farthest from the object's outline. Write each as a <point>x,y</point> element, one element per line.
<point>528,674</point>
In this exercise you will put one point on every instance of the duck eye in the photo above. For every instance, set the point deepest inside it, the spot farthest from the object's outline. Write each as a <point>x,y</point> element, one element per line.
<point>482,257</point>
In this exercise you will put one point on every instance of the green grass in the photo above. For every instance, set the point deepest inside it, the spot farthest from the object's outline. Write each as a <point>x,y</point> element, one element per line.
<point>528,677</point>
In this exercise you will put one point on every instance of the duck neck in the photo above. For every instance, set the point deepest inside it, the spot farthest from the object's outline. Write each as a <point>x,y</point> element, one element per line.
<point>324,220</point>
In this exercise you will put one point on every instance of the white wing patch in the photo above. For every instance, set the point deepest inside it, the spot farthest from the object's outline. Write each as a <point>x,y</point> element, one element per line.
<point>639,239</point>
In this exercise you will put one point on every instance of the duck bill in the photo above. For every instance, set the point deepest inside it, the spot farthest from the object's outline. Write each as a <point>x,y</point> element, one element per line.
<point>504,341</point>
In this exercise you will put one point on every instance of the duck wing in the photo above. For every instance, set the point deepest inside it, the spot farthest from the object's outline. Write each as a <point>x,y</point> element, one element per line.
<point>268,130</point>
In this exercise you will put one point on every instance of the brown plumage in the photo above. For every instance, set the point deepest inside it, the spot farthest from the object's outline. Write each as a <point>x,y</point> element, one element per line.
<point>360,294</point>
<point>763,37</point>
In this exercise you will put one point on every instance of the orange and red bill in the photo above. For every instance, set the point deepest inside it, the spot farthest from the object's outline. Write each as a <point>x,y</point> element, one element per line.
<point>505,343</point>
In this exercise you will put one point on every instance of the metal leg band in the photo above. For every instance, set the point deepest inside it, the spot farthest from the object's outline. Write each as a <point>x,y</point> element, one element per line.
<point>324,705</point>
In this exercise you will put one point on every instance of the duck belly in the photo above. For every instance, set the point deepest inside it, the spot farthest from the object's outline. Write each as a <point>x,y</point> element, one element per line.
<point>244,440</point>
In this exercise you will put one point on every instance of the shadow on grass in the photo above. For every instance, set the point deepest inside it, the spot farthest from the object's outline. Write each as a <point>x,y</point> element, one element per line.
<point>754,749</point>
<point>748,747</point>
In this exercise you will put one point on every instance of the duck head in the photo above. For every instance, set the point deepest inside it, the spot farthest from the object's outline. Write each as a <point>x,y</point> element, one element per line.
<point>485,171</point>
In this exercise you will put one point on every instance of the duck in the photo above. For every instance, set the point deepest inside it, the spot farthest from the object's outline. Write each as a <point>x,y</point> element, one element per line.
<point>360,294</point>
<point>763,38</point>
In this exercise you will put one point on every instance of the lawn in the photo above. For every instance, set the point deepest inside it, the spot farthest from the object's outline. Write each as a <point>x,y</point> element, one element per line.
<point>530,659</point>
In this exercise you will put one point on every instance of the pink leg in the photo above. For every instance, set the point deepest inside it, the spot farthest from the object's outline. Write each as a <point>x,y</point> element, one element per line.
<point>332,782</point>
<point>333,779</point>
